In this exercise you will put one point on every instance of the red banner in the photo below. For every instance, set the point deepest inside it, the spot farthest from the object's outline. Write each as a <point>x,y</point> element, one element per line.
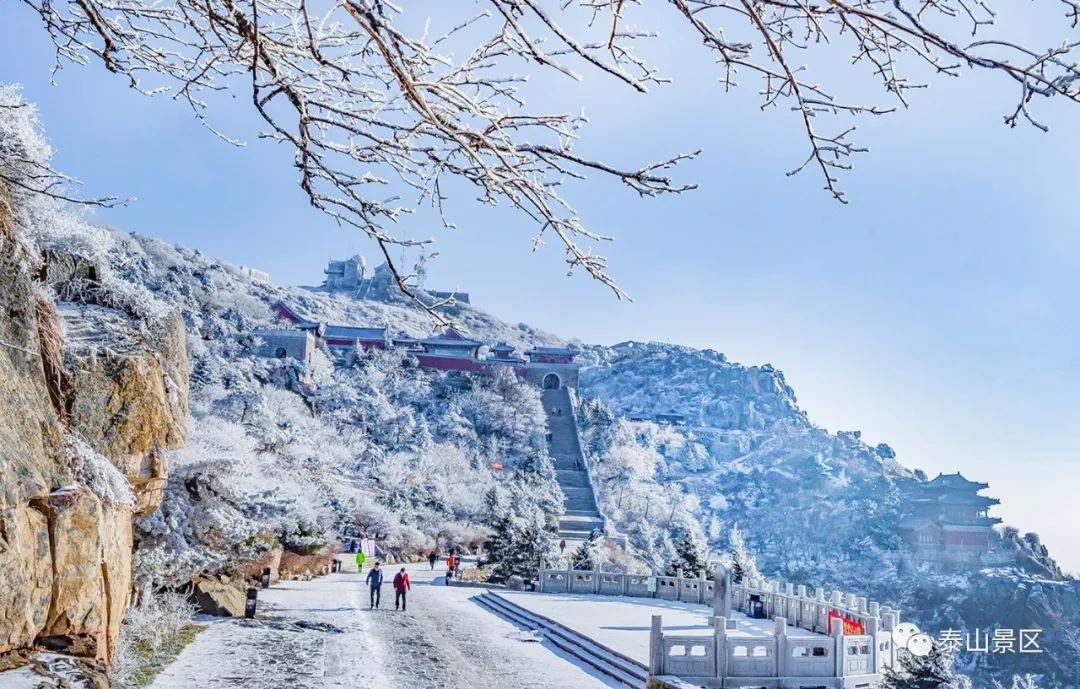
<point>852,626</point>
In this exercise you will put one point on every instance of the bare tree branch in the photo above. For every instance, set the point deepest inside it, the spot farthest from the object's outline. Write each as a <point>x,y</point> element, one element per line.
<point>367,102</point>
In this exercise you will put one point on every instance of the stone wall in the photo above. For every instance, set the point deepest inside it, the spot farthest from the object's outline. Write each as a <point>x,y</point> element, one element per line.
<point>65,552</point>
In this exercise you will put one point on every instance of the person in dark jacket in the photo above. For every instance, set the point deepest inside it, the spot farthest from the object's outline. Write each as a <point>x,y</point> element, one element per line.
<point>401,587</point>
<point>432,558</point>
<point>374,581</point>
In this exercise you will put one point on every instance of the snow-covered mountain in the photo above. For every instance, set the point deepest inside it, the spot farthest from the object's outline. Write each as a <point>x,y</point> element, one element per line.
<point>817,507</point>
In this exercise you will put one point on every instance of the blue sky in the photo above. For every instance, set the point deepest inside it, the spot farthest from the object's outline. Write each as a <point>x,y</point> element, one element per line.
<point>938,312</point>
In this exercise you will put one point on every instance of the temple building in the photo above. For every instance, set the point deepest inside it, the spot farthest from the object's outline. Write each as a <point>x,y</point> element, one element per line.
<point>351,338</point>
<point>504,353</point>
<point>336,338</point>
<point>551,368</point>
<point>950,520</point>
<point>450,351</point>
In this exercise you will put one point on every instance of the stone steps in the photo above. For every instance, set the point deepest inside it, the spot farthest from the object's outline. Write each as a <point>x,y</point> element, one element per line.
<point>572,477</point>
<point>581,516</point>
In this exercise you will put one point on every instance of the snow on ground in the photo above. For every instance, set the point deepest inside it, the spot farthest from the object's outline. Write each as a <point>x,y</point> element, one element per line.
<point>622,623</point>
<point>322,634</point>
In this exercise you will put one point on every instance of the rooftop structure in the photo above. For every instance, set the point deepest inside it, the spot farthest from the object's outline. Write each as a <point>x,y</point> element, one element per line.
<point>344,275</point>
<point>291,314</point>
<point>347,336</point>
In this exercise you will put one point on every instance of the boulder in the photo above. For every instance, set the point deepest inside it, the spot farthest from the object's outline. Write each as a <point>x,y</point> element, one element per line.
<point>91,558</point>
<point>221,598</point>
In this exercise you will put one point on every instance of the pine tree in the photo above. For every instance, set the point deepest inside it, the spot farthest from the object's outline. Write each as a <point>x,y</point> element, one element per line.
<point>743,563</point>
<point>934,671</point>
<point>520,542</point>
<point>588,555</point>
<point>690,557</point>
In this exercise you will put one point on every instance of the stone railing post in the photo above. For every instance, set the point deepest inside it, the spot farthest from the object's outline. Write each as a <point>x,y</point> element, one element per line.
<point>836,631</point>
<point>888,623</point>
<point>720,645</point>
<point>875,654</point>
<point>656,646</point>
<point>780,632</point>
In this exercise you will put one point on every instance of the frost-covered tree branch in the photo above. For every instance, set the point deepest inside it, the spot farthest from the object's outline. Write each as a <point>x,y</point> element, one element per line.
<point>369,97</point>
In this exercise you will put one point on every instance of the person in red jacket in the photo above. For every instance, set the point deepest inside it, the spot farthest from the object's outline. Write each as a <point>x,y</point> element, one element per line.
<point>401,587</point>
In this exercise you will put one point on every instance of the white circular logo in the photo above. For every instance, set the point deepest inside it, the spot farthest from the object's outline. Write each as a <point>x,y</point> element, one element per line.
<point>920,644</point>
<point>903,632</point>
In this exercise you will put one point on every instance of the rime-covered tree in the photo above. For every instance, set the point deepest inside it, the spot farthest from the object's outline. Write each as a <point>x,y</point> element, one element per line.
<point>691,556</point>
<point>587,555</point>
<point>520,541</point>
<point>933,671</point>
<point>368,94</point>
<point>743,562</point>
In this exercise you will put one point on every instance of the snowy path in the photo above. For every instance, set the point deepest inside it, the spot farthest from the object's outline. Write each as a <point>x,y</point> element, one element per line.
<point>321,635</point>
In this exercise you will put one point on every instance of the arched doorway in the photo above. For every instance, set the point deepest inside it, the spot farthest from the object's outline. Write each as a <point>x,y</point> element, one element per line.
<point>552,382</point>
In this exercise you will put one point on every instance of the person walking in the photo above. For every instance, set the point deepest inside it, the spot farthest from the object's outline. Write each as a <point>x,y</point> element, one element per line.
<point>360,558</point>
<point>375,581</point>
<point>432,558</point>
<point>451,563</point>
<point>401,587</point>
<point>562,547</point>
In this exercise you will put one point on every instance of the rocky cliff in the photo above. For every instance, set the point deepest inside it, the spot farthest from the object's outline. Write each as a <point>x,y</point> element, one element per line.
<point>87,394</point>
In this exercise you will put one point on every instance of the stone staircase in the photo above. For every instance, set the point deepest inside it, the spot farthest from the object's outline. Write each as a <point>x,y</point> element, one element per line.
<point>581,516</point>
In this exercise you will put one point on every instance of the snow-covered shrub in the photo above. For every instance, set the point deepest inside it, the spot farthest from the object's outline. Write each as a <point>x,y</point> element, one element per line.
<point>152,634</point>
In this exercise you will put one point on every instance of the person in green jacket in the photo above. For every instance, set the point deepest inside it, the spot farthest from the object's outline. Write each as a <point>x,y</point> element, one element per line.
<point>360,557</point>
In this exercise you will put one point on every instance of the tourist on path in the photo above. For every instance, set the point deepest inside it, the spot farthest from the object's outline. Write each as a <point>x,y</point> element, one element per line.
<point>360,558</point>
<point>432,558</point>
<point>374,580</point>
<point>401,587</point>
<point>562,546</point>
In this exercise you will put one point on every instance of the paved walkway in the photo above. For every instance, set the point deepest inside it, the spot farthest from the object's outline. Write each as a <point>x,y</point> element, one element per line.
<point>321,635</point>
<point>622,623</point>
